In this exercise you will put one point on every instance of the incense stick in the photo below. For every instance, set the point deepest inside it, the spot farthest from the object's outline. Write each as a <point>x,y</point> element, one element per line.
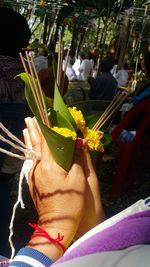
<point>105,112</point>
<point>40,92</point>
<point>65,68</point>
<point>59,64</point>
<point>32,88</point>
<point>58,61</point>
<point>60,68</point>
<point>113,106</point>
<point>36,88</point>
<point>110,114</point>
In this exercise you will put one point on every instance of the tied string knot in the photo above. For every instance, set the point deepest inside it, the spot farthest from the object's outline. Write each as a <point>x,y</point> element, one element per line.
<point>42,233</point>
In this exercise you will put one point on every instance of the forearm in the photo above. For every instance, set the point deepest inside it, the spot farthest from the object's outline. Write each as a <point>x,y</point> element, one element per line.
<point>49,248</point>
<point>40,250</point>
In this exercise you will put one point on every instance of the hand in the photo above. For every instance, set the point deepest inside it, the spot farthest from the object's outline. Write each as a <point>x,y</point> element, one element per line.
<point>93,213</point>
<point>59,196</point>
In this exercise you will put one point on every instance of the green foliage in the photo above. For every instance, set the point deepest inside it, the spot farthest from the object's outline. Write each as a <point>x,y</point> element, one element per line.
<point>61,147</point>
<point>67,37</point>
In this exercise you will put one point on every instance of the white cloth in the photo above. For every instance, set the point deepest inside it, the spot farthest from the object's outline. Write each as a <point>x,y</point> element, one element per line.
<point>71,75</point>
<point>76,66</point>
<point>122,77</point>
<point>85,69</point>
<point>114,70</point>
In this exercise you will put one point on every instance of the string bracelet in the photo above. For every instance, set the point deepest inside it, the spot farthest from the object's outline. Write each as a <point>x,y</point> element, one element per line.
<point>2,263</point>
<point>42,233</point>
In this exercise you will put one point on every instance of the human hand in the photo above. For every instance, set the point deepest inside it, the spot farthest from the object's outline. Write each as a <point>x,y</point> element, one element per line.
<point>59,196</point>
<point>93,212</point>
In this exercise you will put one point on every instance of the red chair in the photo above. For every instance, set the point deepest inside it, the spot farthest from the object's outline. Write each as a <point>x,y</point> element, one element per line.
<point>131,151</point>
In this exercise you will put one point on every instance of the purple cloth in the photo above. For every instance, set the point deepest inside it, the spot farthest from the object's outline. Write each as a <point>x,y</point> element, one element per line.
<point>131,231</point>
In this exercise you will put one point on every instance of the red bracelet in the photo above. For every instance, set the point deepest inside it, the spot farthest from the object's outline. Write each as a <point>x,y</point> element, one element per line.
<point>4,262</point>
<point>42,233</point>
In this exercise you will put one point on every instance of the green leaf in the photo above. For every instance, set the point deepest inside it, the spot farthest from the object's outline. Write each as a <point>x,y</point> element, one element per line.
<point>61,108</point>
<point>91,119</point>
<point>107,139</point>
<point>30,97</point>
<point>62,148</point>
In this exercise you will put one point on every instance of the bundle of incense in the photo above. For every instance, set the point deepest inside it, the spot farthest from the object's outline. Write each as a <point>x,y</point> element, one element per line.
<point>29,67</point>
<point>110,110</point>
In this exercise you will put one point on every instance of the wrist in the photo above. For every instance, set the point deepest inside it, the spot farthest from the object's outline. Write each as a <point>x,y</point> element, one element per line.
<point>53,250</point>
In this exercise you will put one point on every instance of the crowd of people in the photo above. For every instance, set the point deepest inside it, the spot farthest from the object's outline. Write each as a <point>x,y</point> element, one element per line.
<point>72,229</point>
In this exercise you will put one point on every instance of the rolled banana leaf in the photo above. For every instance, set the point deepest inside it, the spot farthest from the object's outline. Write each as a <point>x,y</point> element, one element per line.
<point>62,148</point>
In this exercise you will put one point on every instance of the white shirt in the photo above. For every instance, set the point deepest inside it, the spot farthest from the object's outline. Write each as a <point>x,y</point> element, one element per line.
<point>122,77</point>
<point>71,75</point>
<point>76,66</point>
<point>85,69</point>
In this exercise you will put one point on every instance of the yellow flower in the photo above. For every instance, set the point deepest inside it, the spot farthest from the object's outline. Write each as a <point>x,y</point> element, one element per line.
<point>78,117</point>
<point>93,139</point>
<point>65,132</point>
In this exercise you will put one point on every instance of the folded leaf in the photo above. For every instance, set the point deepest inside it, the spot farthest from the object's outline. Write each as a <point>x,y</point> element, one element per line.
<point>61,108</point>
<point>30,97</point>
<point>62,148</point>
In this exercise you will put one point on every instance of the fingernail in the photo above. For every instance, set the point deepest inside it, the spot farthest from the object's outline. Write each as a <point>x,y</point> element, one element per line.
<point>27,120</point>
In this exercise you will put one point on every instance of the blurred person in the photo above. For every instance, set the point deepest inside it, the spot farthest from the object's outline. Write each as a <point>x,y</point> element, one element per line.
<point>14,35</point>
<point>105,85</point>
<point>69,69</point>
<point>141,93</point>
<point>121,76</point>
<point>85,69</point>
<point>76,65</point>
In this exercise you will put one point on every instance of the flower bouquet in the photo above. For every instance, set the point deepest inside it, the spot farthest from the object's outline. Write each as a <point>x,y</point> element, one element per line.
<point>63,127</point>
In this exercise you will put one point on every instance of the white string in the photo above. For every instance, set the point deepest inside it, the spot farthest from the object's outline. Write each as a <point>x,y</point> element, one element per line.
<point>29,153</point>
<point>12,144</point>
<point>12,154</point>
<point>13,137</point>
<point>27,166</point>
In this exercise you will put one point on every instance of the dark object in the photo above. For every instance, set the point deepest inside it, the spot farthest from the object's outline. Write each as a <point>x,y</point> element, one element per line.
<point>15,114</point>
<point>14,32</point>
<point>130,153</point>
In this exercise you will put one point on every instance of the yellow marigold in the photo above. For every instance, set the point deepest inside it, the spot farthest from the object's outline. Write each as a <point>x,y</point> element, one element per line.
<point>78,117</point>
<point>65,132</point>
<point>93,139</point>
